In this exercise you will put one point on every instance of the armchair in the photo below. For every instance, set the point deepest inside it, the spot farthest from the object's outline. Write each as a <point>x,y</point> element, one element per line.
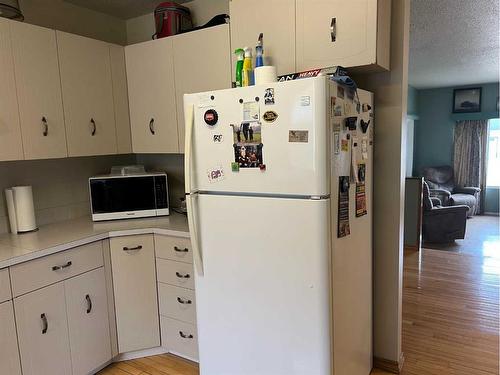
<point>442,185</point>
<point>442,224</point>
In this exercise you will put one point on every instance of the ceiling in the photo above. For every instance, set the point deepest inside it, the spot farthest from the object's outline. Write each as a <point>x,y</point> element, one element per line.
<point>453,42</point>
<point>123,9</point>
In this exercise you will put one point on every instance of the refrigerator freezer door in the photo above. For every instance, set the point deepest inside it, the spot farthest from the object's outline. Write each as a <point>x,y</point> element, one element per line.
<point>263,304</point>
<point>268,139</point>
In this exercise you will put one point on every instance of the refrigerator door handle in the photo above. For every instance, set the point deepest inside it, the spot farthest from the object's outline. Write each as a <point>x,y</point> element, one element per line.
<point>188,143</point>
<point>193,231</point>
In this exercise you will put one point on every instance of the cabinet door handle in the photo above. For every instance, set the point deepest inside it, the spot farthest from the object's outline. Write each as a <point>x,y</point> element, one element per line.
<point>152,126</point>
<point>184,336</point>
<point>45,324</point>
<point>181,276</point>
<point>89,304</point>
<point>184,301</point>
<point>185,250</point>
<point>57,268</point>
<point>333,29</point>
<point>93,127</point>
<point>139,247</point>
<point>45,125</point>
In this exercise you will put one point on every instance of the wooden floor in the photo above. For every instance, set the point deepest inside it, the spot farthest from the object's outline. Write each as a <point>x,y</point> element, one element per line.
<point>450,316</point>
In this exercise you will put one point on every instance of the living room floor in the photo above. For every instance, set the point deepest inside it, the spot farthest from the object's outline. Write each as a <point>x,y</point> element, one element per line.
<point>451,304</point>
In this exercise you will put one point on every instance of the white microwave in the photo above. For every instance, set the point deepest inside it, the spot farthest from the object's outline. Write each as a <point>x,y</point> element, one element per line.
<point>128,196</point>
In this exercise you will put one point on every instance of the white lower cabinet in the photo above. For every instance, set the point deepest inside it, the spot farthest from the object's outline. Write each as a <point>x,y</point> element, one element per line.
<point>87,307</point>
<point>42,328</point>
<point>9,354</point>
<point>136,299</point>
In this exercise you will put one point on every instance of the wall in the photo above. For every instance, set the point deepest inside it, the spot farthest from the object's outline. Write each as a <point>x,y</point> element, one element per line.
<point>412,101</point>
<point>140,29</point>
<point>60,186</point>
<point>57,14</point>
<point>391,96</point>
<point>436,124</point>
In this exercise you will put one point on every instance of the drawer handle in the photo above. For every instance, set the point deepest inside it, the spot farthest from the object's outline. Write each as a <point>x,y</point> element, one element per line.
<point>152,126</point>
<point>181,276</point>
<point>89,304</point>
<point>45,324</point>
<point>45,125</point>
<point>93,128</point>
<point>139,247</point>
<point>184,336</point>
<point>184,301</point>
<point>185,250</point>
<point>57,268</point>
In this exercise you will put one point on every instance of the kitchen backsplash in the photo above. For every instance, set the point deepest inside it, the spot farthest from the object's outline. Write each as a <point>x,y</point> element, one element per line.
<point>60,186</point>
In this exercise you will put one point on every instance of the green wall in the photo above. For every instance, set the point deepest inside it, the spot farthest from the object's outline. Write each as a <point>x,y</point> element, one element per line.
<point>436,123</point>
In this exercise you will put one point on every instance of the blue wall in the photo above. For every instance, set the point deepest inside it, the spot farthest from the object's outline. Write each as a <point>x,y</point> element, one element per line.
<point>412,101</point>
<point>436,123</point>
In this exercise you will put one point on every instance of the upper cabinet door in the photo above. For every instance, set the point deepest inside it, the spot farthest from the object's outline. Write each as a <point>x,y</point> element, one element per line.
<point>88,322</point>
<point>336,32</point>
<point>150,75</point>
<point>210,44</point>
<point>276,19</point>
<point>38,91</point>
<point>120,98</point>
<point>87,95</point>
<point>11,147</point>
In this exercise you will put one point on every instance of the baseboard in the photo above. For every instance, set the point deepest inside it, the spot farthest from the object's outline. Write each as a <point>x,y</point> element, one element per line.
<point>491,213</point>
<point>140,354</point>
<point>388,365</point>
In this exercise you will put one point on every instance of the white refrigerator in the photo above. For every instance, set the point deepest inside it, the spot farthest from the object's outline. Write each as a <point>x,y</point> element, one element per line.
<point>279,194</point>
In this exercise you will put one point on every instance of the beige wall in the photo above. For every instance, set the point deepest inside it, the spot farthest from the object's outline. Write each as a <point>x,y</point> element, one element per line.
<point>56,14</point>
<point>140,29</point>
<point>60,186</point>
<point>391,91</point>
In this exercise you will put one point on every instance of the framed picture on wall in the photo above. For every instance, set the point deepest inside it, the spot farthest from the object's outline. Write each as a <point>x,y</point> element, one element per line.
<point>467,100</point>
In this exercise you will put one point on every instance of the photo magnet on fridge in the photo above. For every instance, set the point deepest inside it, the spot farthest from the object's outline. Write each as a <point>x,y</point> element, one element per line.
<point>248,145</point>
<point>251,111</point>
<point>343,228</point>
<point>269,96</point>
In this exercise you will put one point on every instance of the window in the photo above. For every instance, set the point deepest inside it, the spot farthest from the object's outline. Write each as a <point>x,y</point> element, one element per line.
<point>493,154</point>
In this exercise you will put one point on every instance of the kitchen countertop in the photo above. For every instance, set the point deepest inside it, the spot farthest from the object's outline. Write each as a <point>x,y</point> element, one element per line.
<point>52,238</point>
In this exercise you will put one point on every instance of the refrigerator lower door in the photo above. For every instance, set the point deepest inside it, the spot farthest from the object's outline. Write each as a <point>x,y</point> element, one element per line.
<point>263,302</point>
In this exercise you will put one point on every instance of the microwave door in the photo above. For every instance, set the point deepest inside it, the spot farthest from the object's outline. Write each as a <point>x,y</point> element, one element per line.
<point>123,197</point>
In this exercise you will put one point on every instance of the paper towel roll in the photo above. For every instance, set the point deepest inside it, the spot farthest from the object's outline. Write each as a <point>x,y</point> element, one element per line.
<point>11,209</point>
<point>25,210</point>
<point>265,74</point>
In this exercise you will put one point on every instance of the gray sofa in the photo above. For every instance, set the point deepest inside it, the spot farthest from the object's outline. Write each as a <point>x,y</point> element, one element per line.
<point>442,185</point>
<point>442,224</point>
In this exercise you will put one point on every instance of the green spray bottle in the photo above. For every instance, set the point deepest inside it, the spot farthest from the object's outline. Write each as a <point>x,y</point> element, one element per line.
<point>240,53</point>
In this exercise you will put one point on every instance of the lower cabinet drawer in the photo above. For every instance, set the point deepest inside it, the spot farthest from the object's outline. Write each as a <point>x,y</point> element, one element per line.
<point>36,274</point>
<point>5,293</point>
<point>175,273</point>
<point>173,248</point>
<point>177,303</point>
<point>179,338</point>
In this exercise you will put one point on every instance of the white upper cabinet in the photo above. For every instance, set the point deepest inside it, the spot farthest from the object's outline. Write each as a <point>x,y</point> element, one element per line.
<point>349,33</point>
<point>210,45</point>
<point>276,19</point>
<point>38,91</point>
<point>87,95</point>
<point>150,75</point>
<point>120,98</point>
<point>11,147</point>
